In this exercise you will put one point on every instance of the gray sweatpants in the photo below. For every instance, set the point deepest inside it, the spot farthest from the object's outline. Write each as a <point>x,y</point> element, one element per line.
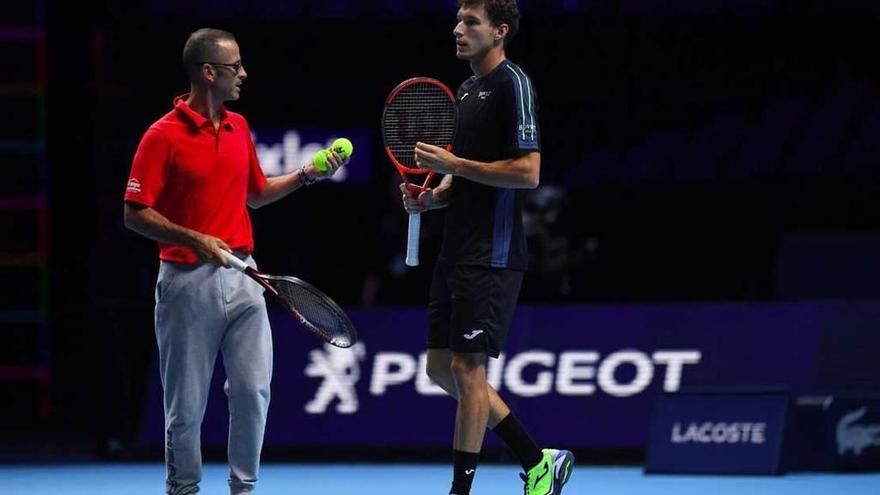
<point>200,310</point>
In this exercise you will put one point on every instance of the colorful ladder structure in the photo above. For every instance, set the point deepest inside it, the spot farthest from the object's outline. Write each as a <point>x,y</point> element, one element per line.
<point>24,208</point>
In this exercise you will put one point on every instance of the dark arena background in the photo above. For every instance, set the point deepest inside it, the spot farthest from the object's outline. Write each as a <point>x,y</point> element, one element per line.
<point>703,294</point>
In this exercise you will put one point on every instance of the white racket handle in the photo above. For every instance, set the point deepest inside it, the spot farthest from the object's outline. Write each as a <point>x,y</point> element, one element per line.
<point>412,239</point>
<point>234,262</point>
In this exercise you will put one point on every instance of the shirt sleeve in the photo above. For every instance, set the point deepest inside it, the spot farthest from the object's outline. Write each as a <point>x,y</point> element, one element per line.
<point>149,169</point>
<point>256,177</point>
<point>522,111</point>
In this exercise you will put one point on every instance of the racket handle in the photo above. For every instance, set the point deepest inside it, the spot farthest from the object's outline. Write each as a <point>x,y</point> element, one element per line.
<point>234,262</point>
<point>412,239</point>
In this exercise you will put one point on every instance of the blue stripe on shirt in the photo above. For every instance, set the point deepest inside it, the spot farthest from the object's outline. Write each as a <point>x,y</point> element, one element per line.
<point>524,101</point>
<point>503,229</point>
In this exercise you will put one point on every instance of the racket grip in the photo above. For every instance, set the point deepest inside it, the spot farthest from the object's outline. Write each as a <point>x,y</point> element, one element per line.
<point>412,239</point>
<point>236,263</point>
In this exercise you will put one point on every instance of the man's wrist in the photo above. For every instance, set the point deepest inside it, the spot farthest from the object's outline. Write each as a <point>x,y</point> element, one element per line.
<point>459,166</point>
<point>304,177</point>
<point>440,197</point>
<point>192,239</point>
<point>438,202</point>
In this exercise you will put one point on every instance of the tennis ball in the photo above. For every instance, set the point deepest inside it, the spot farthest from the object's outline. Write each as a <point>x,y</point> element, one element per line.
<point>320,160</point>
<point>343,147</point>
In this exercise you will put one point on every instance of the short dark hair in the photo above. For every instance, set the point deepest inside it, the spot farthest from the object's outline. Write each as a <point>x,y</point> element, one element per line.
<point>201,46</point>
<point>499,12</point>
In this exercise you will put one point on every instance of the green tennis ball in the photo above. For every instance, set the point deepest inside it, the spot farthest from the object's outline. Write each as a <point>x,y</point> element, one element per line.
<point>343,147</point>
<point>320,160</point>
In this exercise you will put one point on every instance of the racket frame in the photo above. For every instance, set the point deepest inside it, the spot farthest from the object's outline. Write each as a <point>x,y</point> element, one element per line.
<point>263,279</point>
<point>413,190</point>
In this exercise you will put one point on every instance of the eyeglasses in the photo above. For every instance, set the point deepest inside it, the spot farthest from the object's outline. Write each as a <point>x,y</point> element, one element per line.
<point>236,67</point>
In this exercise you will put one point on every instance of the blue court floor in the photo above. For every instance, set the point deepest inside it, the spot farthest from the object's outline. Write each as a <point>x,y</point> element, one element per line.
<point>360,479</point>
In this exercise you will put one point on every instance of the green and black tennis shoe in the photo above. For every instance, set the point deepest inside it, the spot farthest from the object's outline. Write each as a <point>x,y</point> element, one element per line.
<point>550,475</point>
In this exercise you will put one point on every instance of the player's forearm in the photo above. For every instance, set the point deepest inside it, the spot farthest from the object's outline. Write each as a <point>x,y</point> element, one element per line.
<point>153,225</point>
<point>276,188</point>
<point>441,192</point>
<point>515,173</point>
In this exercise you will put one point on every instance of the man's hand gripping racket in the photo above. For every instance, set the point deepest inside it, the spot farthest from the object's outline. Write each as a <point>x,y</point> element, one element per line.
<point>423,110</point>
<point>312,308</point>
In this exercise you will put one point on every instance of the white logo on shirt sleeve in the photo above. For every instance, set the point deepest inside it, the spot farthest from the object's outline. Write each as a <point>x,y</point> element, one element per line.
<point>134,185</point>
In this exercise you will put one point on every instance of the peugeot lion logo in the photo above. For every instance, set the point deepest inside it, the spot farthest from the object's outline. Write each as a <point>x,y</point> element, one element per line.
<point>340,369</point>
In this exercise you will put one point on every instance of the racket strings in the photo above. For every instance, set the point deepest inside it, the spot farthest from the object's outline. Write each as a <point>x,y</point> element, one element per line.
<point>322,316</point>
<point>421,112</point>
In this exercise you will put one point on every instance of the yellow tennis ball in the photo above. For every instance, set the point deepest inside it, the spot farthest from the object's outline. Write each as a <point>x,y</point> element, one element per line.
<point>320,160</point>
<point>343,147</point>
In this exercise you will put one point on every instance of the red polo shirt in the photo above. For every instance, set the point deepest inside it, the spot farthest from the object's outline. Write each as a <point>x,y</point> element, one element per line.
<point>198,177</point>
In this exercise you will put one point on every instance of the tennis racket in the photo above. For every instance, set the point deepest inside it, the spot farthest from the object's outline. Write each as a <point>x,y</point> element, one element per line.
<point>311,307</point>
<point>419,109</point>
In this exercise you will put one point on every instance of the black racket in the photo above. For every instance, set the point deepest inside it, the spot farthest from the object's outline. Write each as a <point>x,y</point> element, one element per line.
<point>308,305</point>
<point>419,109</point>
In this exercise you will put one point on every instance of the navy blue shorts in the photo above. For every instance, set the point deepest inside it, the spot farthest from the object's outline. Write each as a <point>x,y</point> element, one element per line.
<point>471,307</point>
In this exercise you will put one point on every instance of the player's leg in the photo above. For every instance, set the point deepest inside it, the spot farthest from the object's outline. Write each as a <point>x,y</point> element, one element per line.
<point>506,425</point>
<point>439,319</point>
<point>472,414</point>
<point>247,357</point>
<point>547,470</point>
<point>189,326</point>
<point>472,338</point>
<point>439,369</point>
<point>471,417</point>
<point>485,301</point>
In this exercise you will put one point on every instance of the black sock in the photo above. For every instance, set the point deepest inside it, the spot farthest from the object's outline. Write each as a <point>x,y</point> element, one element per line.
<point>464,468</point>
<point>520,442</point>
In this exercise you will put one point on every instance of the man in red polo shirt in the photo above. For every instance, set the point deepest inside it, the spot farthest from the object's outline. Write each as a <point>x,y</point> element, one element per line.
<point>193,176</point>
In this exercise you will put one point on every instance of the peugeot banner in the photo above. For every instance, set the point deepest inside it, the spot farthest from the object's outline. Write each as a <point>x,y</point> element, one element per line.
<point>578,376</point>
